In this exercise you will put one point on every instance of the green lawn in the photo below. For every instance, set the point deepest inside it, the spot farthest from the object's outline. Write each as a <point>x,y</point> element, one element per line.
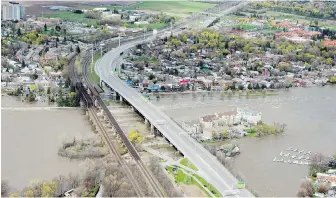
<point>178,7</point>
<point>188,164</point>
<point>180,177</point>
<point>70,16</point>
<point>209,186</point>
<point>93,75</point>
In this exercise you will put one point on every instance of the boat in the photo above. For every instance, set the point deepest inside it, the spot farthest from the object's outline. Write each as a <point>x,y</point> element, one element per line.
<point>301,151</point>
<point>295,150</point>
<point>289,149</point>
<point>281,153</point>
<point>301,163</point>
<point>295,162</point>
<point>286,155</point>
<point>293,156</point>
<point>274,159</point>
<point>307,158</point>
<point>301,157</point>
<point>280,160</point>
<point>306,163</point>
<point>309,152</point>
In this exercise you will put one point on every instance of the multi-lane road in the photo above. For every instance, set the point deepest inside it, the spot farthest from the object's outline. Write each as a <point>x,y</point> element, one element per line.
<point>211,169</point>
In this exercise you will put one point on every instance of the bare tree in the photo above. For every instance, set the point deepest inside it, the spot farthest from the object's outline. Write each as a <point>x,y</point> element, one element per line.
<point>323,187</point>
<point>4,188</point>
<point>308,186</point>
<point>74,180</point>
<point>111,186</point>
<point>302,192</point>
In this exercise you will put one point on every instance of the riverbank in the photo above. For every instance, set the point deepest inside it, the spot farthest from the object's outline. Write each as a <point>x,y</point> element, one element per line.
<point>29,147</point>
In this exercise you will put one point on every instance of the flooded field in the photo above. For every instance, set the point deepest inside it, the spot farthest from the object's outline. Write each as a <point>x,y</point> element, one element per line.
<point>310,116</point>
<point>30,140</point>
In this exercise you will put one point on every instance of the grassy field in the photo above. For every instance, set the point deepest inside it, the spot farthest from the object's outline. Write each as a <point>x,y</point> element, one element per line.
<point>93,75</point>
<point>69,16</point>
<point>188,164</point>
<point>178,7</point>
<point>181,177</point>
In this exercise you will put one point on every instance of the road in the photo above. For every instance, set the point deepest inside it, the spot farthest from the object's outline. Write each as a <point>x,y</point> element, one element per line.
<point>210,168</point>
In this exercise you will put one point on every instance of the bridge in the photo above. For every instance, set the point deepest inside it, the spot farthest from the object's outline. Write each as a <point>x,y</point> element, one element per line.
<point>211,169</point>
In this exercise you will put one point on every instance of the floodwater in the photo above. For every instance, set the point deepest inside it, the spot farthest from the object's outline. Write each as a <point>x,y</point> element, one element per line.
<point>30,140</point>
<point>310,116</point>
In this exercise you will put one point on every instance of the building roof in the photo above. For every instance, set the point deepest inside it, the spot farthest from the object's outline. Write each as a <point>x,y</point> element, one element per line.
<point>329,42</point>
<point>209,118</point>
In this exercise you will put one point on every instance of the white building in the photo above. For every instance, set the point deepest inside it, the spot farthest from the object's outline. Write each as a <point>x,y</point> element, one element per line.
<point>12,11</point>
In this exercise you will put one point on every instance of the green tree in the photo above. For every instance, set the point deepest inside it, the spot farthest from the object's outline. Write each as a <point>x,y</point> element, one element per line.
<point>329,61</point>
<point>78,49</point>
<point>49,189</point>
<point>29,193</point>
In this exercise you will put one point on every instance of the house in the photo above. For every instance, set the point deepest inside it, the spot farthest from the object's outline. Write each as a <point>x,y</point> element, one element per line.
<point>329,42</point>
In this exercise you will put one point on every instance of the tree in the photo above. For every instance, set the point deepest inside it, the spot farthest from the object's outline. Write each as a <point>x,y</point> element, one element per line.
<point>4,188</point>
<point>111,185</point>
<point>306,188</point>
<point>19,32</point>
<point>151,77</point>
<point>49,91</point>
<point>29,193</point>
<point>45,27</point>
<point>49,189</point>
<point>77,49</point>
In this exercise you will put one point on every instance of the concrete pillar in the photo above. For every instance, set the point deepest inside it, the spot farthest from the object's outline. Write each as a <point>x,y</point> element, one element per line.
<point>121,99</point>
<point>152,128</point>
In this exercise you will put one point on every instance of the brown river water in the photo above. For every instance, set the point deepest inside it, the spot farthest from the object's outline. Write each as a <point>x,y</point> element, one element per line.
<point>30,140</point>
<point>310,116</point>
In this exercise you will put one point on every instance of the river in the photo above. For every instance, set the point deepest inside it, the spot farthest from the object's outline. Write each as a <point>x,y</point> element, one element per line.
<point>30,140</point>
<point>310,116</point>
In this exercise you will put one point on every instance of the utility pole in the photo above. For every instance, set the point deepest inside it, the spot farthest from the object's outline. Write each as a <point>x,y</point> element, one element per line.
<point>92,57</point>
<point>119,40</point>
<point>144,34</point>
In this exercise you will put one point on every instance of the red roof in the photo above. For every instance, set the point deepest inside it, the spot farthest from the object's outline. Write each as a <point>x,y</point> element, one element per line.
<point>329,42</point>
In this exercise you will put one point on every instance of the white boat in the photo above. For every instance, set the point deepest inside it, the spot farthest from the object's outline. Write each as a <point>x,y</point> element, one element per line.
<point>295,162</point>
<point>289,149</point>
<point>281,153</point>
<point>274,159</point>
<point>301,157</point>
<point>295,150</point>
<point>301,163</point>
<point>293,156</point>
<point>306,163</point>
<point>286,155</point>
<point>309,152</point>
<point>307,158</point>
<point>301,151</point>
<point>281,160</point>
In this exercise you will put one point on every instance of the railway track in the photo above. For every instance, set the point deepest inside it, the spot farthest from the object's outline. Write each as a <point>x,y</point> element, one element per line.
<point>77,79</point>
<point>156,187</point>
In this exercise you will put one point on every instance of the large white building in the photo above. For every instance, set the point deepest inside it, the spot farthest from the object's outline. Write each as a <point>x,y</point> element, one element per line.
<point>12,11</point>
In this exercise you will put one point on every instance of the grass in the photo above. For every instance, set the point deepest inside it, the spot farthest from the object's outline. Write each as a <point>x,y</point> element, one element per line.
<point>94,191</point>
<point>70,16</point>
<point>181,177</point>
<point>188,164</point>
<point>209,186</point>
<point>94,77</point>
<point>175,7</point>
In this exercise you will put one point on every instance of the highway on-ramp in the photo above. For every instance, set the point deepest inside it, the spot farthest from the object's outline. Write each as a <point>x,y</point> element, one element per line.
<point>210,168</point>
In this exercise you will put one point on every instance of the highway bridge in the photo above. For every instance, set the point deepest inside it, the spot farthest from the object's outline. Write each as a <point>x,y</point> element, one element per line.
<point>210,168</point>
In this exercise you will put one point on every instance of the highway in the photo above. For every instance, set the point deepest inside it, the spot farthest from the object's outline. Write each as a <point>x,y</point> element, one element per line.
<point>211,169</point>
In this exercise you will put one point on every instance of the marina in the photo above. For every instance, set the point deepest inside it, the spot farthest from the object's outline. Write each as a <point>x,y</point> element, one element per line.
<point>294,156</point>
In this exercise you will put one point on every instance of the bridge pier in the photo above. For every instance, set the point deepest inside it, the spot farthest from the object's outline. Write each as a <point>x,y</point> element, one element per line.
<point>152,129</point>
<point>121,99</point>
